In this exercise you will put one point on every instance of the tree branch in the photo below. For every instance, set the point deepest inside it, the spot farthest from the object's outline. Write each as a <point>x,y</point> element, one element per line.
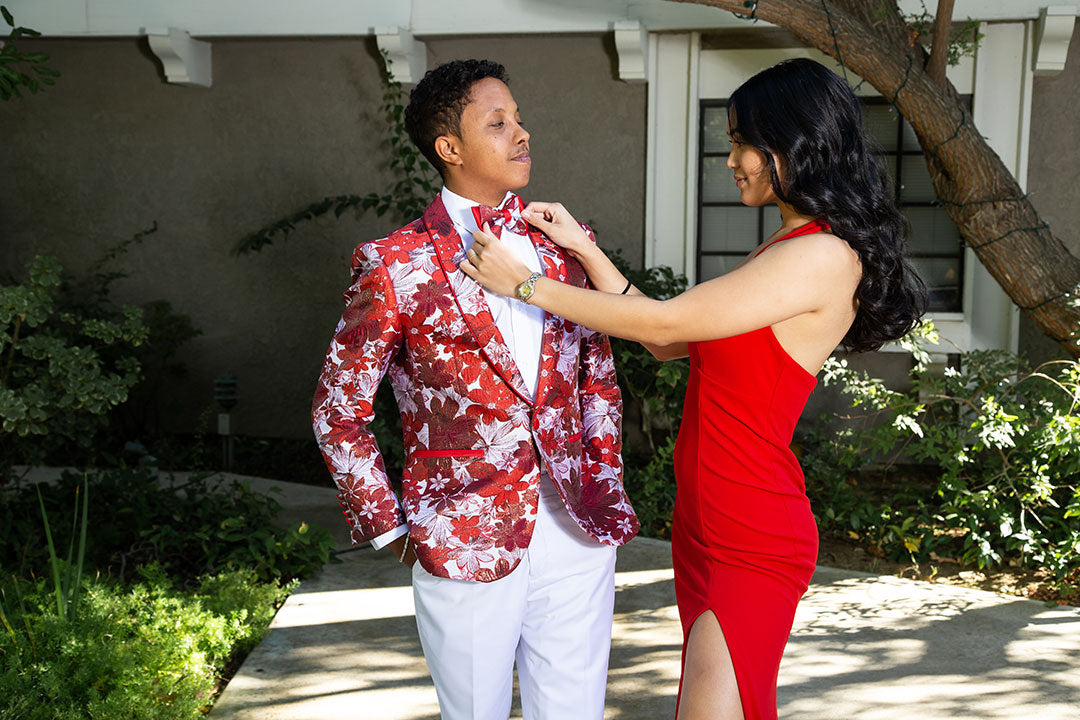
<point>935,68</point>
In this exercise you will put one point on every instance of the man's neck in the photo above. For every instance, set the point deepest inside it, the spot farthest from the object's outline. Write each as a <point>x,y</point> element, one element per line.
<point>491,197</point>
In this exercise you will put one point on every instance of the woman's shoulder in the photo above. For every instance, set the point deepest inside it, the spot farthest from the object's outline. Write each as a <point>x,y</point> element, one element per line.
<point>815,248</point>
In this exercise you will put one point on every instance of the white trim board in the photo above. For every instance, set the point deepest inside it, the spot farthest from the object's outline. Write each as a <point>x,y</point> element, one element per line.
<point>254,18</point>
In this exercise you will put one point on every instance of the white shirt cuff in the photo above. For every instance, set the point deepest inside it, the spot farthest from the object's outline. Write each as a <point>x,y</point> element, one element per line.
<point>388,537</point>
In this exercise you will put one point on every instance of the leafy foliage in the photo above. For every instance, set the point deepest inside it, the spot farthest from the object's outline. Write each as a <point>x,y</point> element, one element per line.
<point>85,373</point>
<point>147,651</point>
<point>651,487</point>
<point>964,38</point>
<point>19,69</point>
<point>187,528</point>
<point>1003,441</point>
<point>415,181</point>
<point>656,389</point>
<point>61,370</point>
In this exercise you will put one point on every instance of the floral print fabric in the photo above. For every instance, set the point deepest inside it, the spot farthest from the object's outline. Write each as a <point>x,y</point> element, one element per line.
<point>472,434</point>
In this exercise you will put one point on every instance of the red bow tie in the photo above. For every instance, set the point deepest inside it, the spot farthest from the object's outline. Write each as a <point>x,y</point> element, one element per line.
<point>507,215</point>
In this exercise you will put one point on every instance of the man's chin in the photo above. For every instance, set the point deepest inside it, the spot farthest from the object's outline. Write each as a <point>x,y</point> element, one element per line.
<point>519,182</point>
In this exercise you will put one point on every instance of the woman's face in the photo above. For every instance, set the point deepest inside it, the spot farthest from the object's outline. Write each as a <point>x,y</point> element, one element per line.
<point>751,173</point>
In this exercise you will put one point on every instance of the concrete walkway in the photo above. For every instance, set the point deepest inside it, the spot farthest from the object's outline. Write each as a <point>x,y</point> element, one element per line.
<point>344,645</point>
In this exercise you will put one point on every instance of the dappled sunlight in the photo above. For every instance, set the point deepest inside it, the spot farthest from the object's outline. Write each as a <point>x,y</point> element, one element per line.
<point>880,647</point>
<point>345,645</point>
<point>359,604</point>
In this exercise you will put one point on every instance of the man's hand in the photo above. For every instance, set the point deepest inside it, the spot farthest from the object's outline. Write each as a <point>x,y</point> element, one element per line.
<point>492,264</point>
<point>396,546</point>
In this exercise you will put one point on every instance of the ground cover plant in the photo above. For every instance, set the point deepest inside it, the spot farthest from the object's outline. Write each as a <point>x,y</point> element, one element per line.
<point>124,594</point>
<point>978,461</point>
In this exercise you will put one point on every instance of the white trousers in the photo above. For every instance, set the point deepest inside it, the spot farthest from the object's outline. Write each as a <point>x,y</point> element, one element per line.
<point>552,615</point>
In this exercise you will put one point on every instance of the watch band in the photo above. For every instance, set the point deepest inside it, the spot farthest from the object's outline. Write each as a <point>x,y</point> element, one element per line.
<point>524,291</point>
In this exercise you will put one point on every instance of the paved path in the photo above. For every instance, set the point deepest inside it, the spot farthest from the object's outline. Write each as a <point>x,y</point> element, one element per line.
<point>344,645</point>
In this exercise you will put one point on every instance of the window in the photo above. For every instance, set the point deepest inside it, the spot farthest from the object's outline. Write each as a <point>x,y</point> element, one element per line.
<point>728,230</point>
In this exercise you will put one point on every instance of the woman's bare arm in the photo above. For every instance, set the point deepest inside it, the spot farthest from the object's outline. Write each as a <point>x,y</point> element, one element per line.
<point>565,231</point>
<point>795,277</point>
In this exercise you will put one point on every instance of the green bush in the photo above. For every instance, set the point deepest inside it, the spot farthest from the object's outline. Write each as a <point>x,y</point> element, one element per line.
<point>651,488</point>
<point>147,651</point>
<point>61,371</point>
<point>656,390</point>
<point>190,529</point>
<point>999,447</point>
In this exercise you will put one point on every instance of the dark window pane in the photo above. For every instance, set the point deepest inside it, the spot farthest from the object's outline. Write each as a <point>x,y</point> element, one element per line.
<point>716,265</point>
<point>716,182</point>
<point>714,125</point>
<point>931,231</point>
<point>915,185</point>
<point>729,229</point>
<point>880,123</point>
<point>942,277</point>
<point>911,142</point>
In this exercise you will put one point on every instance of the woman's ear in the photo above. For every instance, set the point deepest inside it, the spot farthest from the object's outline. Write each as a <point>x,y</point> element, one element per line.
<point>448,148</point>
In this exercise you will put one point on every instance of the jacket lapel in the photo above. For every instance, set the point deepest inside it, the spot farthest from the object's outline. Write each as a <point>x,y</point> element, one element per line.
<point>555,267</point>
<point>470,299</point>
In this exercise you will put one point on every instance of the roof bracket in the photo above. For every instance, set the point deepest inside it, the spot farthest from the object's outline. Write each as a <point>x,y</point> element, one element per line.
<point>186,61</point>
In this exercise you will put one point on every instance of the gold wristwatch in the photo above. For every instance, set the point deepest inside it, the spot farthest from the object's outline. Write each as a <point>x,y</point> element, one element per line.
<point>524,291</point>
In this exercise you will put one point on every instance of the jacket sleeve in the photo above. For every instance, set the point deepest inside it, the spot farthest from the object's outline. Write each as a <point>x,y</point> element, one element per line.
<point>601,409</point>
<point>366,339</point>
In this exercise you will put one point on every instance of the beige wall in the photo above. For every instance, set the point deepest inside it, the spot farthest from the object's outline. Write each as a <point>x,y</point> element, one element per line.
<point>113,148</point>
<point>1054,171</point>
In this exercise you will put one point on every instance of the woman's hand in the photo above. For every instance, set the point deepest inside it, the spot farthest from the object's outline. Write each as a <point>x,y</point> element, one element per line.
<point>493,265</point>
<point>559,225</point>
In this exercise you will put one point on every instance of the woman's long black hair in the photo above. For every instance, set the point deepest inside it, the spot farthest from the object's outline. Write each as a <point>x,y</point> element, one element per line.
<point>805,114</point>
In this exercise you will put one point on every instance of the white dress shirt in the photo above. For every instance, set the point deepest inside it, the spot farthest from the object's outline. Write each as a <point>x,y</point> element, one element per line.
<point>521,325</point>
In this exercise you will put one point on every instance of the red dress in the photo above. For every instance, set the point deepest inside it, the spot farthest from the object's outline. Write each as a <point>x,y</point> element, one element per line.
<point>744,542</point>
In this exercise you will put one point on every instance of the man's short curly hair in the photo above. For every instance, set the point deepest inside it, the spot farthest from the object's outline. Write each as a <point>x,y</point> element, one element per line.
<point>437,101</point>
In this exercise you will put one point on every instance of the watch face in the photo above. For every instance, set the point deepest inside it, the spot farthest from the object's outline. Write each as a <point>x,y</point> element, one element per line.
<point>524,291</point>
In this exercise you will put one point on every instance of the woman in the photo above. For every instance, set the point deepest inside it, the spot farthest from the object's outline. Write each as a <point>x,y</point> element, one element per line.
<point>744,541</point>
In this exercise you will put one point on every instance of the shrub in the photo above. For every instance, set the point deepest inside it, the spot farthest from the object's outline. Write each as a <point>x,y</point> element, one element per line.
<point>60,371</point>
<point>1001,440</point>
<point>656,388</point>
<point>192,528</point>
<point>144,652</point>
<point>651,488</point>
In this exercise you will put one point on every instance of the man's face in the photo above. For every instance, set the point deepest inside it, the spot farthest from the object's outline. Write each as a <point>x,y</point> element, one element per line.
<point>493,150</point>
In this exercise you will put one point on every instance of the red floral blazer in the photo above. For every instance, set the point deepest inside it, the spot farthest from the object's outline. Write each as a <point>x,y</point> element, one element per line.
<point>470,485</point>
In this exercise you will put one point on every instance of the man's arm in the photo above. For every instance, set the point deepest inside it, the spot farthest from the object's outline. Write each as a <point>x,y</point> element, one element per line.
<point>366,338</point>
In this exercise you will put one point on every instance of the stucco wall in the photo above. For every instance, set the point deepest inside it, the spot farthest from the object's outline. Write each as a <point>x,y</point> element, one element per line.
<point>1054,171</point>
<point>113,148</point>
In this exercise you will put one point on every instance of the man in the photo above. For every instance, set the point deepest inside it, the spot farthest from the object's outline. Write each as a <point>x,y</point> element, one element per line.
<point>512,500</point>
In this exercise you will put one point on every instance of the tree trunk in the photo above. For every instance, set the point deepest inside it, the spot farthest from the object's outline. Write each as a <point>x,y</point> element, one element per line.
<point>979,193</point>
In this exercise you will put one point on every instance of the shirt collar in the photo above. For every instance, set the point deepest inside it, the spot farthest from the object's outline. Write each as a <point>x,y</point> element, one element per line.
<point>459,209</point>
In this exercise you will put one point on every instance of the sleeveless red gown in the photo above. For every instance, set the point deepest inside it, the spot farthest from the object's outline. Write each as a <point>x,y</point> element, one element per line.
<point>744,542</point>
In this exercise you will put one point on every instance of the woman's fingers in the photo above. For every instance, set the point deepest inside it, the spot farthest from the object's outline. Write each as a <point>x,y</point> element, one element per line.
<point>539,208</point>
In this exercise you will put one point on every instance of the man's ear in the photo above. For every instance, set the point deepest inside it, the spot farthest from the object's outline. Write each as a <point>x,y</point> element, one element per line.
<point>448,148</point>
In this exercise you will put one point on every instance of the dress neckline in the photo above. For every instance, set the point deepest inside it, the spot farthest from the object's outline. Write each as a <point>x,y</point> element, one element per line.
<point>805,229</point>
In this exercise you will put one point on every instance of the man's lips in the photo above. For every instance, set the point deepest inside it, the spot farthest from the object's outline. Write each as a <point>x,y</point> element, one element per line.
<point>523,157</point>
